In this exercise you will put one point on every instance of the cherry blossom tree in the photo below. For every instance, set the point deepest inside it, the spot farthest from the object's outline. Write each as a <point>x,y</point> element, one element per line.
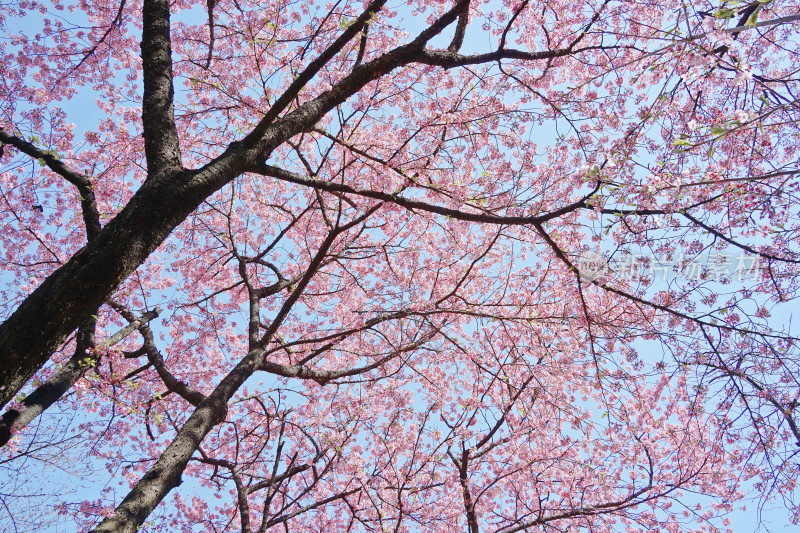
<point>425,266</point>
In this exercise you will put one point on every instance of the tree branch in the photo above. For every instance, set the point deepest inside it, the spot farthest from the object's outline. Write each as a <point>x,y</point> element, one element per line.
<point>292,177</point>
<point>311,70</point>
<point>285,518</point>
<point>158,115</point>
<point>91,216</point>
<point>461,28</point>
<point>165,474</point>
<point>59,383</point>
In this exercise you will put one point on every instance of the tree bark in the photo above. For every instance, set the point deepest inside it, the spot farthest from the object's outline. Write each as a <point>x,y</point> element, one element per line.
<point>62,381</point>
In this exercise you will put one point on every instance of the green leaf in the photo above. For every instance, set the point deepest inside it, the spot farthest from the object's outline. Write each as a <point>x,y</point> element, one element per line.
<point>725,13</point>
<point>753,19</point>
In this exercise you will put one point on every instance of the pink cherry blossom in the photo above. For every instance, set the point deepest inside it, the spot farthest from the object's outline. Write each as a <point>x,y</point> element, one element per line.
<point>316,266</point>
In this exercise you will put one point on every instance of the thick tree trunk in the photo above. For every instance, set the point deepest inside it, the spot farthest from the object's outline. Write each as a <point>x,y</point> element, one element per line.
<point>61,382</point>
<point>166,473</point>
<point>74,292</point>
